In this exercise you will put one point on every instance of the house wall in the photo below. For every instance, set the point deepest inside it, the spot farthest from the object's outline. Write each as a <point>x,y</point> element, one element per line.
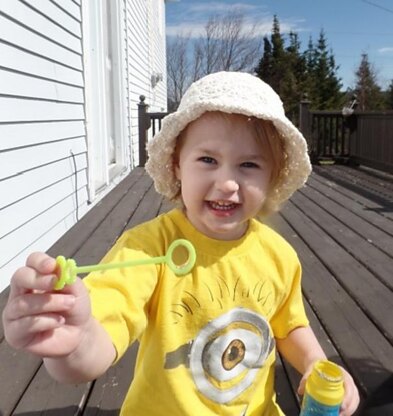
<point>43,154</point>
<point>46,141</point>
<point>146,43</point>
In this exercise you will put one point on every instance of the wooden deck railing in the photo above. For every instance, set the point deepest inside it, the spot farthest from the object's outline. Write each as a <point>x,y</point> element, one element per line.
<point>147,120</point>
<point>360,138</point>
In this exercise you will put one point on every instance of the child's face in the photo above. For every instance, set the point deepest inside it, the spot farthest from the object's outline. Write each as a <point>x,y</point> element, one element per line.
<point>224,176</point>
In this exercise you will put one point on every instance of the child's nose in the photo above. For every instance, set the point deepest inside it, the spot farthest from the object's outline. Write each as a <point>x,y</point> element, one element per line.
<point>227,182</point>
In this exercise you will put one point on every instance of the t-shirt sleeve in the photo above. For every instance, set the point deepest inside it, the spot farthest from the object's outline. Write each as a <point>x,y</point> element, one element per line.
<point>120,297</point>
<point>291,313</point>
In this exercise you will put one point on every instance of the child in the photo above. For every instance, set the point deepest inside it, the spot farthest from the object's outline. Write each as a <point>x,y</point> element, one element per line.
<point>208,339</point>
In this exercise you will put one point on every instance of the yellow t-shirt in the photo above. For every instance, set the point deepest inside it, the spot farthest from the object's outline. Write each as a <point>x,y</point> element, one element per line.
<point>207,338</point>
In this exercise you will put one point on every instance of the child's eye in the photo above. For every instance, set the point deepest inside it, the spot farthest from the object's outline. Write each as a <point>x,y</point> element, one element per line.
<point>249,165</point>
<point>207,159</point>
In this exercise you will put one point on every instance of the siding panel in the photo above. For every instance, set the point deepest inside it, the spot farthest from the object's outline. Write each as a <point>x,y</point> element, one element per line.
<point>27,63</point>
<point>19,85</point>
<point>20,110</point>
<point>44,239</point>
<point>24,159</point>
<point>69,7</point>
<point>16,35</point>
<point>21,212</point>
<point>30,134</point>
<point>37,227</point>
<point>28,183</point>
<point>56,15</point>
<point>37,23</point>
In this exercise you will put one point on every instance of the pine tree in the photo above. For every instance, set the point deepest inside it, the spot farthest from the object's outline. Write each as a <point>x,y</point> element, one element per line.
<point>309,87</point>
<point>294,78</point>
<point>264,68</point>
<point>278,67</point>
<point>367,90</point>
<point>389,96</point>
<point>293,73</point>
<point>326,94</point>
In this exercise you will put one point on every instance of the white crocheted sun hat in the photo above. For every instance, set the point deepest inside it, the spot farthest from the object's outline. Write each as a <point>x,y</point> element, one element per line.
<point>236,93</point>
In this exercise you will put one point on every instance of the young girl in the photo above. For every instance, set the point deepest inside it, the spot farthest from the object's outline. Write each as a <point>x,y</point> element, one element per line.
<point>208,339</point>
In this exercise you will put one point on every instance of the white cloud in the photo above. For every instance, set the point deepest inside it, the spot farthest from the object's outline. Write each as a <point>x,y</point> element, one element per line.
<point>263,27</point>
<point>386,50</point>
<point>215,7</point>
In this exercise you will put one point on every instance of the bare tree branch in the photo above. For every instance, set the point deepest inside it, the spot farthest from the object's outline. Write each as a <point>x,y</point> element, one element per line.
<point>226,45</point>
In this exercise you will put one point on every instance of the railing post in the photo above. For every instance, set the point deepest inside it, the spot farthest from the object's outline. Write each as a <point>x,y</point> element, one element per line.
<point>305,120</point>
<point>352,124</point>
<point>143,126</point>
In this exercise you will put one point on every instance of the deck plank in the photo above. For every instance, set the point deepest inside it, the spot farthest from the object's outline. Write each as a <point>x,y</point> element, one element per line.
<point>366,210</point>
<point>379,261</point>
<point>17,369</point>
<point>109,390</point>
<point>357,280</point>
<point>369,233</point>
<point>380,202</point>
<point>360,342</point>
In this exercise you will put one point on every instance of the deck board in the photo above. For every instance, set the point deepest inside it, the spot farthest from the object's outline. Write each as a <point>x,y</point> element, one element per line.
<point>366,210</point>
<point>349,328</point>
<point>358,281</point>
<point>341,225</point>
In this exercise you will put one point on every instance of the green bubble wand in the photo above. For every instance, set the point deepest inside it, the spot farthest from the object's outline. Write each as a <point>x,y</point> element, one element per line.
<point>67,269</point>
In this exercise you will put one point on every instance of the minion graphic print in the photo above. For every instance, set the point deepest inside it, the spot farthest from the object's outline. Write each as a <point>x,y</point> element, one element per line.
<point>206,339</point>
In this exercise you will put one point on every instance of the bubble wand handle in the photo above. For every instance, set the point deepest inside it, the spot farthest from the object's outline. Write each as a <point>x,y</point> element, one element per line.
<point>109,266</point>
<point>67,269</point>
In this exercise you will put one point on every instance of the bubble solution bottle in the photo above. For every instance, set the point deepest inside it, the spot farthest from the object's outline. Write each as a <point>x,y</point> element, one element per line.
<point>324,390</point>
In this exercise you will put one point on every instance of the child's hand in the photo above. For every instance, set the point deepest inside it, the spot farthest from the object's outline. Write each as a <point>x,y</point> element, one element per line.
<point>351,395</point>
<point>40,320</point>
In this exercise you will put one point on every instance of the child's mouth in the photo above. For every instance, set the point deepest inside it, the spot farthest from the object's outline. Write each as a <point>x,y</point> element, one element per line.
<point>223,206</point>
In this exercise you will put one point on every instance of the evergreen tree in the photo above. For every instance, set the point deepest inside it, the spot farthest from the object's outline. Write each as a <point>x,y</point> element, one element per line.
<point>264,68</point>
<point>309,87</point>
<point>294,78</point>
<point>326,94</point>
<point>278,67</point>
<point>293,73</point>
<point>389,96</point>
<point>367,90</point>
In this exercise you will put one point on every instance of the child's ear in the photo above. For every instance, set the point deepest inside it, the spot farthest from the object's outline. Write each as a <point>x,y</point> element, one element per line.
<point>176,169</point>
<point>176,166</point>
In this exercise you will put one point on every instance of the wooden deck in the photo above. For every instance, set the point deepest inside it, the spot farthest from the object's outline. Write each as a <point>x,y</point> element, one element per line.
<point>341,225</point>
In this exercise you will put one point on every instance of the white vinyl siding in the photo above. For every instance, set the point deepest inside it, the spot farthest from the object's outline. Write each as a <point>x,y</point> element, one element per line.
<point>63,100</point>
<point>42,132</point>
<point>146,55</point>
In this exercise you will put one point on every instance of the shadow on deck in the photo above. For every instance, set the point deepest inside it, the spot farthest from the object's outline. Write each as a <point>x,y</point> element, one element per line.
<point>341,225</point>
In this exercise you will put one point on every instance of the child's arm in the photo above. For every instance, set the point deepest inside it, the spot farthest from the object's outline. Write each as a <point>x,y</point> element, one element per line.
<point>55,325</point>
<point>301,349</point>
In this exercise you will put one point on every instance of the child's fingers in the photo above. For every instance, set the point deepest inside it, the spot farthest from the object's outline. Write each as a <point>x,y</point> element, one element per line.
<point>36,304</point>
<point>351,399</point>
<point>302,384</point>
<point>28,279</point>
<point>21,332</point>
<point>41,262</point>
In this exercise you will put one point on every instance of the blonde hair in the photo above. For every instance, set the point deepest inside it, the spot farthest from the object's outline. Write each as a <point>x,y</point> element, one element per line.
<point>266,134</point>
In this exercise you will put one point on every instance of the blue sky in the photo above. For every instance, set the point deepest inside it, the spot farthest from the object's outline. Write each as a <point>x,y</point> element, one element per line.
<point>352,27</point>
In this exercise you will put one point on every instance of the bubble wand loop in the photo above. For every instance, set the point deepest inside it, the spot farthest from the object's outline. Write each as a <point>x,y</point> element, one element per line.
<point>67,269</point>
